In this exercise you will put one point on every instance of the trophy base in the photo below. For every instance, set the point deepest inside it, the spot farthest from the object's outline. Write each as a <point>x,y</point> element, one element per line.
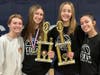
<point>43,60</point>
<point>66,63</point>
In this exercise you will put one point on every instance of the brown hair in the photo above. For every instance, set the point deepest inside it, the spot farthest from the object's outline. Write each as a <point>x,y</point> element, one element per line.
<point>14,16</point>
<point>90,15</point>
<point>72,20</point>
<point>30,28</point>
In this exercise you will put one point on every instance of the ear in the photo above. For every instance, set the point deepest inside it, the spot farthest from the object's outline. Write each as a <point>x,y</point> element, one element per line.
<point>94,23</point>
<point>23,27</point>
<point>8,25</point>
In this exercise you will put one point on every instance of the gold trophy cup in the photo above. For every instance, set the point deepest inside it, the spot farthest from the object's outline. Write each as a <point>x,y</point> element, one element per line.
<point>42,55</point>
<point>62,57</point>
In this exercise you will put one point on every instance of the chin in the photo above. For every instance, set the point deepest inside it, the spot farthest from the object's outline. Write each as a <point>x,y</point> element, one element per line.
<point>17,32</point>
<point>86,31</point>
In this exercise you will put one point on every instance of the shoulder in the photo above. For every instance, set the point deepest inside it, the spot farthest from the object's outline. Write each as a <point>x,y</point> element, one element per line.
<point>21,39</point>
<point>98,37</point>
<point>53,28</point>
<point>79,31</point>
<point>78,27</point>
<point>3,37</point>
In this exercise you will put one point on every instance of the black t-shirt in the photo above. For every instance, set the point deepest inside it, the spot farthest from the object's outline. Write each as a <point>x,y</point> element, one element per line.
<point>30,66</point>
<point>73,68</point>
<point>90,56</point>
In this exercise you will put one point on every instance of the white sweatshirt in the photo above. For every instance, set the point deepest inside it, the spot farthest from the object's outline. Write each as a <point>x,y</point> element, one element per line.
<point>11,55</point>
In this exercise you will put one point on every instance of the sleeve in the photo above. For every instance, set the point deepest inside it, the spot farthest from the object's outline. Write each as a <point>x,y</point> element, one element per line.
<point>1,56</point>
<point>22,45</point>
<point>53,34</point>
<point>79,37</point>
<point>99,68</point>
<point>99,62</point>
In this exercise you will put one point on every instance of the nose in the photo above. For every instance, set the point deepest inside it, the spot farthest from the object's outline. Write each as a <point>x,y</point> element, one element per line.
<point>66,12</point>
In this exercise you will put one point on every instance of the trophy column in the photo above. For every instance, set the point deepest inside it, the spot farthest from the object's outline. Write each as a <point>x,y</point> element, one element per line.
<point>62,57</point>
<point>42,55</point>
<point>71,61</point>
<point>39,49</point>
<point>60,30</point>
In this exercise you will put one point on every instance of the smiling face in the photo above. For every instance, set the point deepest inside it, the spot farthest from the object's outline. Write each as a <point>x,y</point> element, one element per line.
<point>38,16</point>
<point>66,13</point>
<point>87,24</point>
<point>16,25</point>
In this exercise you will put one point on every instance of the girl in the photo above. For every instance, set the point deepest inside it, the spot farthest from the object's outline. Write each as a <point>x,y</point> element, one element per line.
<point>12,47</point>
<point>67,16</point>
<point>30,34</point>
<point>90,50</point>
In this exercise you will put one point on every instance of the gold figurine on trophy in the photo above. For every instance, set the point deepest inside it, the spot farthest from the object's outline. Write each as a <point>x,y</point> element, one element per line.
<point>42,55</point>
<point>63,44</point>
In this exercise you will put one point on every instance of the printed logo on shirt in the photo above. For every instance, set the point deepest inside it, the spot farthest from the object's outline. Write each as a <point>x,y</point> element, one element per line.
<point>29,50</point>
<point>66,38</point>
<point>85,55</point>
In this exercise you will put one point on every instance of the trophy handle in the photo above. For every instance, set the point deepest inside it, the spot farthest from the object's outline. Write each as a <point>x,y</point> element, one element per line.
<point>46,26</point>
<point>39,48</point>
<point>69,46</point>
<point>50,46</point>
<point>58,53</point>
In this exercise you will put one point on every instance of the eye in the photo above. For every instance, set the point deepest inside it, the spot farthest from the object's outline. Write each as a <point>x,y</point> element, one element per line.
<point>69,11</point>
<point>20,23</point>
<point>14,22</point>
<point>86,21</point>
<point>41,14</point>
<point>36,13</point>
<point>66,10</point>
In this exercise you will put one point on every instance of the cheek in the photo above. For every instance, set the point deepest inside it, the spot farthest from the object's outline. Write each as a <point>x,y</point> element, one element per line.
<point>42,17</point>
<point>70,15</point>
<point>10,26</point>
<point>83,27</point>
<point>33,18</point>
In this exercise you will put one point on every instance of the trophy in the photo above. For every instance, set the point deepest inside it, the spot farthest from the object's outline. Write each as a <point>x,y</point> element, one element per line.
<point>42,55</point>
<point>62,55</point>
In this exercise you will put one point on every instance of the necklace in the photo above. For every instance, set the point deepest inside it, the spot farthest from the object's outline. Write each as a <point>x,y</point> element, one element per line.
<point>35,39</point>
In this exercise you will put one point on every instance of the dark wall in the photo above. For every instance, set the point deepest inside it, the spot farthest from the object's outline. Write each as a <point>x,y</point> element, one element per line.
<point>92,6</point>
<point>7,7</point>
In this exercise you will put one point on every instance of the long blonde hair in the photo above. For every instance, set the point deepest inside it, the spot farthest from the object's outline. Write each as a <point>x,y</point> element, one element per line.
<point>72,20</point>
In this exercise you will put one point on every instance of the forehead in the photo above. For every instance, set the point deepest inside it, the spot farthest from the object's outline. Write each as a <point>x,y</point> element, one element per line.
<point>16,19</point>
<point>85,18</point>
<point>39,10</point>
<point>66,6</point>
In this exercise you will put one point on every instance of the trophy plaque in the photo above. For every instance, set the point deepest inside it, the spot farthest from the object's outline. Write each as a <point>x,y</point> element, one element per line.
<point>42,55</point>
<point>62,54</point>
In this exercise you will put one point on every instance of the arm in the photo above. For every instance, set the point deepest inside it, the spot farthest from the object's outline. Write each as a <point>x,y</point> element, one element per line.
<point>99,62</point>
<point>79,38</point>
<point>1,56</point>
<point>99,68</point>
<point>21,42</point>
